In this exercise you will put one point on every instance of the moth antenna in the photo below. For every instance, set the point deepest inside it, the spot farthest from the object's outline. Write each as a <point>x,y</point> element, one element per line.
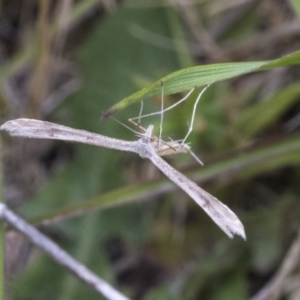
<point>129,128</point>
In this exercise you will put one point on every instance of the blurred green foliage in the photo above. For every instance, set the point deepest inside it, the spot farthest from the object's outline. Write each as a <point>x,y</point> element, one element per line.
<point>172,250</point>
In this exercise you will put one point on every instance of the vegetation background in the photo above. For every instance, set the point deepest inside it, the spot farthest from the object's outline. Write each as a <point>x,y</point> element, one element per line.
<point>67,62</point>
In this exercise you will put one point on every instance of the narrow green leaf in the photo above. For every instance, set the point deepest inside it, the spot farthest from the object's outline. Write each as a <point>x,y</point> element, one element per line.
<point>258,117</point>
<point>186,79</point>
<point>296,5</point>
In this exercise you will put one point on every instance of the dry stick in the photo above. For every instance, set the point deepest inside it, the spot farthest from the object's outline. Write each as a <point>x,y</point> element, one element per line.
<point>141,110</point>
<point>161,114</point>
<point>219,212</point>
<point>59,255</point>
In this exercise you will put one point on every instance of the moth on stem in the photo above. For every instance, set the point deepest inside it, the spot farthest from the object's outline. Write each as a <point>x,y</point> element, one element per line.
<point>174,146</point>
<point>163,110</point>
<point>171,147</point>
<point>219,212</point>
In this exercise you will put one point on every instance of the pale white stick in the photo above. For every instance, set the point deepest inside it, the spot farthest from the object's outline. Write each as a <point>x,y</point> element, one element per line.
<point>193,114</point>
<point>219,212</point>
<point>161,115</point>
<point>59,255</point>
<point>141,110</point>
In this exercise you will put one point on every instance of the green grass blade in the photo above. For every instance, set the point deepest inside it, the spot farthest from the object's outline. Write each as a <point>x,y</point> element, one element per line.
<point>266,112</point>
<point>296,5</point>
<point>186,79</point>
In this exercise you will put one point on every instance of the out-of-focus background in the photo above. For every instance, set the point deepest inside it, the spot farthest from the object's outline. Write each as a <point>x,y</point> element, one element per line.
<point>67,62</point>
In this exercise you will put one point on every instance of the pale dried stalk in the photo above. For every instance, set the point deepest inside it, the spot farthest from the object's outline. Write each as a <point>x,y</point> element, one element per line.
<point>219,212</point>
<point>59,255</point>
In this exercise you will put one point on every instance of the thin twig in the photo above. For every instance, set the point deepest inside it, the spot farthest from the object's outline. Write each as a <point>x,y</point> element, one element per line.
<point>59,255</point>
